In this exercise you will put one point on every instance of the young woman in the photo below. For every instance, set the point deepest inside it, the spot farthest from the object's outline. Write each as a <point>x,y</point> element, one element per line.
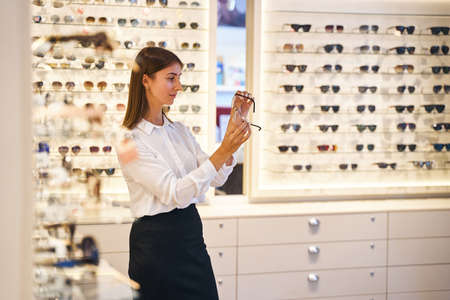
<point>168,257</point>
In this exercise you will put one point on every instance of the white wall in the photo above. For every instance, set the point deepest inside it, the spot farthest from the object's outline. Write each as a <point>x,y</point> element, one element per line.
<point>15,152</point>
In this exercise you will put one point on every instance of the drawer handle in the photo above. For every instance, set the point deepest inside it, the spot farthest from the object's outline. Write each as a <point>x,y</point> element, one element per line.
<point>313,277</point>
<point>314,222</point>
<point>221,225</point>
<point>220,281</point>
<point>313,250</point>
<point>220,254</point>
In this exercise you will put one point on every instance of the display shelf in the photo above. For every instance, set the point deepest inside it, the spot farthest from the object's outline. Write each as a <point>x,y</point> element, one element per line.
<point>265,181</point>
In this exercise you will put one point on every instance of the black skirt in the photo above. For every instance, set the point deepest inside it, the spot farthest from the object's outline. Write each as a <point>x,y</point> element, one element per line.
<point>168,257</point>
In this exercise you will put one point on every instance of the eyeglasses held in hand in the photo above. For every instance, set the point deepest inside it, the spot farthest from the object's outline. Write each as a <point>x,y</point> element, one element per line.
<point>291,107</point>
<point>436,30</point>
<point>344,167</point>
<point>362,127</point>
<point>361,108</point>
<point>402,108</point>
<point>300,167</point>
<point>365,28</point>
<point>403,147</point>
<point>296,127</point>
<point>289,88</point>
<point>402,88</point>
<point>437,69</point>
<point>434,50</point>
<point>365,68</point>
<point>440,126</point>
<point>291,68</point>
<point>293,48</point>
<point>403,68</point>
<point>364,89</point>
<point>326,108</point>
<point>360,147</point>
<point>430,107</point>
<point>329,68</point>
<point>402,50</point>
<point>330,28</point>
<point>326,88</point>
<point>324,128</point>
<point>284,148</point>
<point>404,126</point>
<point>330,47</point>
<point>383,165</point>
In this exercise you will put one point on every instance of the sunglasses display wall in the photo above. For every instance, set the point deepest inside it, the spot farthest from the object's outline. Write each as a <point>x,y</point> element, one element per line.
<point>362,100</point>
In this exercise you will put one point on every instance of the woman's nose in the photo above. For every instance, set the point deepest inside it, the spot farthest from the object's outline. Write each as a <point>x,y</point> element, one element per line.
<point>178,85</point>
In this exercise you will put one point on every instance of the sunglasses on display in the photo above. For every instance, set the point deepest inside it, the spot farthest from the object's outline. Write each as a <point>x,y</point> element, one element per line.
<point>90,105</point>
<point>189,66</point>
<point>361,108</point>
<point>403,108</point>
<point>88,61</point>
<point>96,149</point>
<point>403,147</point>
<point>438,107</point>
<point>438,69</point>
<point>326,108</point>
<point>439,147</point>
<point>438,88</point>
<point>101,20</point>
<point>422,164</point>
<point>89,85</point>
<point>289,88</point>
<point>344,167</point>
<point>404,126</point>
<point>192,4</point>
<point>330,47</point>
<point>360,147</point>
<point>293,48</point>
<point>196,129</point>
<point>182,25</point>
<point>300,167</point>
<point>436,30</point>
<point>296,127</point>
<point>186,45</point>
<point>297,27</point>
<point>329,68</point>
<point>324,148</point>
<point>364,89</point>
<point>402,88</point>
<point>194,108</point>
<point>440,126</point>
<point>291,107</point>
<point>163,3</point>
<point>324,128</point>
<point>284,148</point>
<point>327,88</point>
<point>404,29</point>
<point>55,3</point>
<point>63,150</point>
<point>108,171</point>
<point>403,49</point>
<point>383,165</point>
<point>161,44</point>
<point>367,28</point>
<point>291,68</point>
<point>133,22</point>
<point>153,23</point>
<point>366,48</point>
<point>330,28</point>
<point>403,68</point>
<point>434,50</point>
<point>365,68</point>
<point>363,127</point>
<point>194,87</point>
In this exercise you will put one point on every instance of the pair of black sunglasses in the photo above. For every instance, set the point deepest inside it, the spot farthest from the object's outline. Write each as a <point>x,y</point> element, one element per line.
<point>367,28</point>
<point>437,69</point>
<point>289,88</point>
<point>403,126</point>
<point>440,126</point>
<point>364,89</point>
<point>383,165</point>
<point>291,107</point>
<point>330,47</point>
<point>194,25</point>
<point>402,88</point>
<point>361,108</point>
<point>296,127</point>
<point>324,128</point>
<point>330,28</point>
<point>438,107</point>
<point>360,147</point>
<point>438,88</point>
<point>408,29</point>
<point>326,88</point>
<point>329,68</point>
<point>303,27</point>
<point>402,147</point>
<point>300,167</point>
<point>365,68</point>
<point>404,49</point>
<point>440,146</point>
<point>434,50</point>
<point>285,148</point>
<point>291,68</point>
<point>402,108</point>
<point>366,48</point>
<point>326,108</point>
<point>362,127</point>
<point>345,166</point>
<point>435,30</point>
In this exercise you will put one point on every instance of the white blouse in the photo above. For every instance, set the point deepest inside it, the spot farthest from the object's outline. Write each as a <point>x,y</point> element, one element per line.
<point>171,171</point>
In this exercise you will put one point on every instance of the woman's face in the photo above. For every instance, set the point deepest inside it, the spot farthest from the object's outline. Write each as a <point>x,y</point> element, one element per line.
<point>164,86</point>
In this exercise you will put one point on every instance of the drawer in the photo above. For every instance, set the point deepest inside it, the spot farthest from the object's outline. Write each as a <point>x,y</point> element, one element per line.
<point>223,260</point>
<point>109,237</point>
<point>220,232</point>
<point>301,229</point>
<point>440,295</point>
<point>419,224</point>
<point>295,285</point>
<point>419,251</point>
<point>300,257</point>
<point>366,297</point>
<point>118,261</point>
<point>418,278</point>
<point>226,287</point>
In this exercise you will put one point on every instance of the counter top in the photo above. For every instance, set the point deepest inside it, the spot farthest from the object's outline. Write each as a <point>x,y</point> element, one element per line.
<point>238,207</point>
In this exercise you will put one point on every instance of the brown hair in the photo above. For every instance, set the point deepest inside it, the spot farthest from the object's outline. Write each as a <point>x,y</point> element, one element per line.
<point>148,61</point>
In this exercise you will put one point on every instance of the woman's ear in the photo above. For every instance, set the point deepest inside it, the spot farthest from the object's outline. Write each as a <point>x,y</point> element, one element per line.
<point>146,81</point>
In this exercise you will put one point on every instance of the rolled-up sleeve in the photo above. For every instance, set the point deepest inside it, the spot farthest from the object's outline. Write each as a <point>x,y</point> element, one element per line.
<point>154,175</point>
